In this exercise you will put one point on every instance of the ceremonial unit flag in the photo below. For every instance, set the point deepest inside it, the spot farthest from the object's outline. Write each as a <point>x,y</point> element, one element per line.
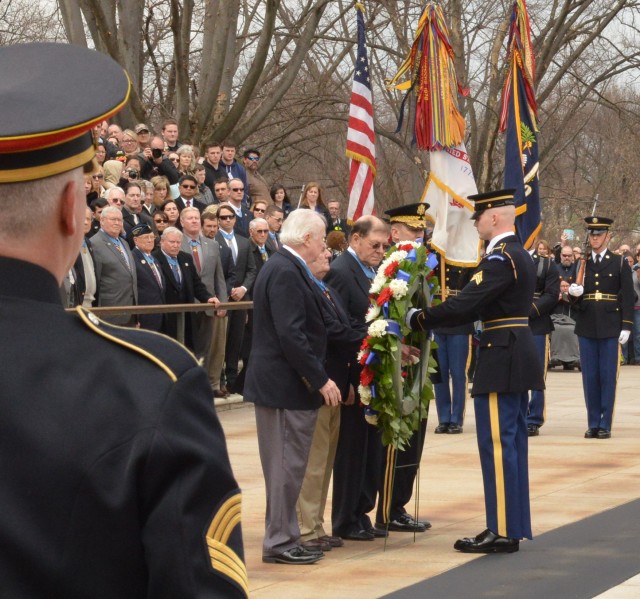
<point>450,182</point>
<point>518,119</point>
<point>361,146</point>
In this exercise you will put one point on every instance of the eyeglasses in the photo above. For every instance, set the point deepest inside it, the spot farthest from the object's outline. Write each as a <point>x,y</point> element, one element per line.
<point>97,176</point>
<point>259,210</point>
<point>261,230</point>
<point>226,216</point>
<point>118,201</point>
<point>160,221</point>
<point>237,189</point>
<point>253,158</point>
<point>378,246</point>
<point>187,186</point>
<point>174,159</point>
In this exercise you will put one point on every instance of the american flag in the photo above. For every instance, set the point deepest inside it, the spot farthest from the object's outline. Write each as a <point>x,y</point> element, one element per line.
<point>361,144</point>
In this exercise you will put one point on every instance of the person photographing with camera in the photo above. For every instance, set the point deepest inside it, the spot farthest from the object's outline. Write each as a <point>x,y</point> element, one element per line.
<point>155,163</point>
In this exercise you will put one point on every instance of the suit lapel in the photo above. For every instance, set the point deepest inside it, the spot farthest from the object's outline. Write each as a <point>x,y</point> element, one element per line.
<point>361,279</point>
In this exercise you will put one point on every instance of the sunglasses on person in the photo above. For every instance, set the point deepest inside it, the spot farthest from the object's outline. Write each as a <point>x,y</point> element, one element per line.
<point>261,230</point>
<point>259,210</point>
<point>97,177</point>
<point>237,189</point>
<point>253,158</point>
<point>187,186</point>
<point>226,216</point>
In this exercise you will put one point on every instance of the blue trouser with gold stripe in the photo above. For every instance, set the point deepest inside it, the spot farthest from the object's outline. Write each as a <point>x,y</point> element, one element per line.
<point>537,407</point>
<point>501,425</point>
<point>453,361</point>
<point>600,361</point>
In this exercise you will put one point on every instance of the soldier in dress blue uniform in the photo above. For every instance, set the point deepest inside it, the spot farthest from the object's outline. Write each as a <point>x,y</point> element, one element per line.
<point>604,317</point>
<point>114,469</point>
<point>545,299</point>
<point>500,294</point>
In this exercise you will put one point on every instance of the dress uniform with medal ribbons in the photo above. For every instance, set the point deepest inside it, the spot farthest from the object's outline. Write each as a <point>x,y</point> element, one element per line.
<point>499,293</point>
<point>115,475</point>
<point>604,318</point>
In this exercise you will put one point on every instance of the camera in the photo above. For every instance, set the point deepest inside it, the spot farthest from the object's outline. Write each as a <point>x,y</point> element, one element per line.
<point>133,173</point>
<point>156,153</point>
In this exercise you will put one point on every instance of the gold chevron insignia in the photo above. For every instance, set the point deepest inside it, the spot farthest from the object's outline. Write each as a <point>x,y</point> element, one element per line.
<point>477,278</point>
<point>224,559</point>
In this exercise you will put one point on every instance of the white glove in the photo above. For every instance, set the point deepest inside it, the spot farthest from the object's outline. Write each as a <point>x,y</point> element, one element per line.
<point>576,290</point>
<point>410,313</point>
<point>624,337</point>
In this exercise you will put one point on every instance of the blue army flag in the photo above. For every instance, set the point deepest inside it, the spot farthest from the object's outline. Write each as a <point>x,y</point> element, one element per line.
<point>518,119</point>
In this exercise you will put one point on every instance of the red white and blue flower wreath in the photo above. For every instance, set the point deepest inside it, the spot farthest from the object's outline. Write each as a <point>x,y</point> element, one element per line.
<point>396,395</point>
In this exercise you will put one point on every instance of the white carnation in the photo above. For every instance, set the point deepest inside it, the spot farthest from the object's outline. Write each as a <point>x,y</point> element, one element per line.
<point>372,313</point>
<point>371,418</point>
<point>377,328</point>
<point>365,394</point>
<point>399,288</point>
<point>397,256</point>
<point>378,283</point>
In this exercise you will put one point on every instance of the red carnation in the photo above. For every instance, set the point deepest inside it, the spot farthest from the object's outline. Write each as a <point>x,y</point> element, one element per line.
<point>385,296</point>
<point>390,271</point>
<point>366,376</point>
<point>364,359</point>
<point>405,247</point>
<point>365,343</point>
<point>404,374</point>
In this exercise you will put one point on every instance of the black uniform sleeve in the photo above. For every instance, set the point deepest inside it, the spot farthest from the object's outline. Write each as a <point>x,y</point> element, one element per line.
<point>493,275</point>
<point>189,500</point>
<point>548,299</point>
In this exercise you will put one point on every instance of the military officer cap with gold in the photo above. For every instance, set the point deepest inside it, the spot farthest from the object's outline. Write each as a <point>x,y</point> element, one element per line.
<point>598,224</point>
<point>491,199</point>
<point>412,215</point>
<point>45,128</point>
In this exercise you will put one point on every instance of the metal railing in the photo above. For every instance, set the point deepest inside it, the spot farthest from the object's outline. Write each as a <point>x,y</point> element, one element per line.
<point>179,309</point>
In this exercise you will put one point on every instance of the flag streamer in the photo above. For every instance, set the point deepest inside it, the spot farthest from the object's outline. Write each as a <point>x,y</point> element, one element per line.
<point>361,143</point>
<point>430,72</point>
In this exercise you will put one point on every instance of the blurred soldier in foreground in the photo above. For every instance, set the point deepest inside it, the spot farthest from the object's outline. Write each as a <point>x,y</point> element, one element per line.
<point>500,293</point>
<point>115,476</point>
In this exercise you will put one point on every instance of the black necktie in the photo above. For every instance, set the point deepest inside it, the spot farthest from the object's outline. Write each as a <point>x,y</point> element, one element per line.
<point>598,259</point>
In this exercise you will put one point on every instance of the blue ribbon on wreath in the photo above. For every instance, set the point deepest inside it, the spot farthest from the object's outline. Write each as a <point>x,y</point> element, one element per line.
<point>371,358</point>
<point>411,256</point>
<point>403,276</point>
<point>394,328</point>
<point>432,260</point>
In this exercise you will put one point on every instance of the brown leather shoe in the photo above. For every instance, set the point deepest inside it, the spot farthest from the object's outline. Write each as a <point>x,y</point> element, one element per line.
<point>313,544</point>
<point>333,541</point>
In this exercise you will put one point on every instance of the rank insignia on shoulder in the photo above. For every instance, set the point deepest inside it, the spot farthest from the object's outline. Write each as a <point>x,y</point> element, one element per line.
<point>477,278</point>
<point>499,257</point>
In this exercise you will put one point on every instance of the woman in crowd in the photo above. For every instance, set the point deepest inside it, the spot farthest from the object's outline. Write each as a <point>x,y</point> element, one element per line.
<point>130,142</point>
<point>160,223</point>
<point>160,191</point>
<point>312,199</point>
<point>280,198</point>
<point>112,171</point>
<point>205,195</point>
<point>544,249</point>
<point>186,160</point>
<point>170,208</point>
<point>101,154</point>
<point>147,197</point>
<point>259,208</point>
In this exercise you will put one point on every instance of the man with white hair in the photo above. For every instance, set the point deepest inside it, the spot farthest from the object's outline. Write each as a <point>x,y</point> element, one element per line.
<point>286,379</point>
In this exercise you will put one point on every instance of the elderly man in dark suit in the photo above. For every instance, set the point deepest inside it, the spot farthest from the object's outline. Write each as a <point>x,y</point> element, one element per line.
<point>115,270</point>
<point>183,282</point>
<point>151,283</point>
<point>244,276</point>
<point>287,381</point>
<point>357,467</point>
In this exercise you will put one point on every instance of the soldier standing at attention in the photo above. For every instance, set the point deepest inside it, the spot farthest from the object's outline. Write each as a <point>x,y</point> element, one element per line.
<point>604,317</point>
<point>500,294</point>
<point>114,469</point>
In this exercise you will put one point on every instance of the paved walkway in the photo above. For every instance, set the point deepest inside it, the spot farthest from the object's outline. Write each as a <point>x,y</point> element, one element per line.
<point>572,478</point>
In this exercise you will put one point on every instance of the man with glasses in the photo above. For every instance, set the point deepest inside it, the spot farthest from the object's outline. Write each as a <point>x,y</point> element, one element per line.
<point>234,170</point>
<point>243,216</point>
<point>357,467</point>
<point>115,196</point>
<point>188,188</point>
<point>243,278</point>
<point>258,186</point>
<point>274,217</point>
<point>567,267</point>
<point>115,268</point>
<point>604,318</point>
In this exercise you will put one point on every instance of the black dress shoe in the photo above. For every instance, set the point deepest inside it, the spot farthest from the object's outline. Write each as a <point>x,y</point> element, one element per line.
<point>358,535</point>
<point>591,433</point>
<point>296,555</point>
<point>332,540</point>
<point>454,429</point>
<point>316,545</point>
<point>487,542</point>
<point>441,429</point>
<point>405,523</point>
<point>604,433</point>
<point>533,430</point>
<point>379,531</point>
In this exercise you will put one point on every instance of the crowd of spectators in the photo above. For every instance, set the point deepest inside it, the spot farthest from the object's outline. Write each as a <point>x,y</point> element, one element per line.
<point>167,225</point>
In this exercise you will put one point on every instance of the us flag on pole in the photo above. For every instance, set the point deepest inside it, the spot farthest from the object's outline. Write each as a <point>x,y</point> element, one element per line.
<point>361,145</point>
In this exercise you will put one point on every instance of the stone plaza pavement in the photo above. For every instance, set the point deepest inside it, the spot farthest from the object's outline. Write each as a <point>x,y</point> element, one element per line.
<point>571,478</point>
